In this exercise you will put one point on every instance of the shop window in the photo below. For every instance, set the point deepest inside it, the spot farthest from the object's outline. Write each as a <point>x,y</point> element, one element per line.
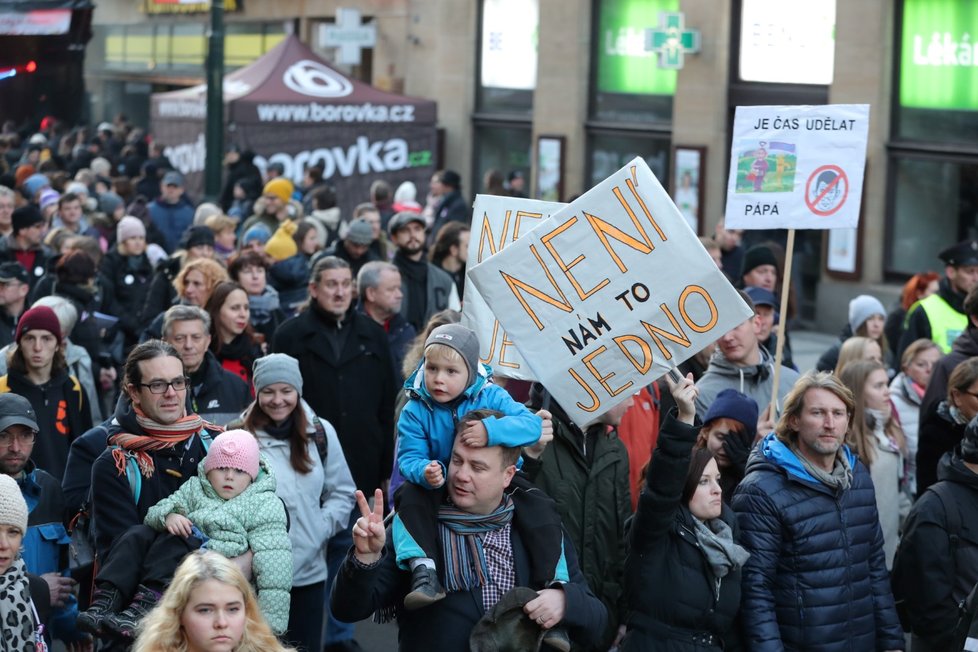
<point>629,86</point>
<point>609,152</point>
<point>937,75</point>
<point>934,204</point>
<point>501,148</point>
<point>509,36</point>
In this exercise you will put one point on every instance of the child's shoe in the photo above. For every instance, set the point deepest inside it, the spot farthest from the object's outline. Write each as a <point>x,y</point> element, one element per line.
<point>124,624</point>
<point>425,588</point>
<point>105,601</point>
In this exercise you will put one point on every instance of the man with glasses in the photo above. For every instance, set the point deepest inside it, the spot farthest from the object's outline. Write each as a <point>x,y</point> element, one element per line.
<point>37,371</point>
<point>45,542</point>
<point>14,286</point>
<point>154,445</point>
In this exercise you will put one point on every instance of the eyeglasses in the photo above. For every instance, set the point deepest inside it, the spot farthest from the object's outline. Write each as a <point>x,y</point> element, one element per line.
<point>160,386</point>
<point>24,437</point>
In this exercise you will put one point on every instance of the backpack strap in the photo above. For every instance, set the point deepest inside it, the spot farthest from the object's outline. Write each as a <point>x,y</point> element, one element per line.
<point>953,514</point>
<point>133,475</point>
<point>319,436</point>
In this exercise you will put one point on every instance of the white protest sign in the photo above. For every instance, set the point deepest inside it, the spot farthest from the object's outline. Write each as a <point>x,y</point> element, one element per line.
<point>609,293</point>
<point>797,167</point>
<point>496,223</point>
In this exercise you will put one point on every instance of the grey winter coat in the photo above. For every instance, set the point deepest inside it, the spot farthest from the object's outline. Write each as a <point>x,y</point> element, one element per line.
<point>756,381</point>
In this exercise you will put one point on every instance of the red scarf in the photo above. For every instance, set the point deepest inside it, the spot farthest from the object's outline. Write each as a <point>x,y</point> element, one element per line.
<point>158,437</point>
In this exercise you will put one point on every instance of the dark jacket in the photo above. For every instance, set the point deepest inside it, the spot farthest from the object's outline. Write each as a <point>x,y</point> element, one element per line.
<point>816,579</point>
<point>446,625</point>
<point>587,475</point>
<point>354,390</point>
<point>439,292</point>
<point>217,395</point>
<point>237,356</point>
<point>172,219</point>
<point>937,435</point>
<point>63,414</point>
<point>290,278</point>
<point>77,481</point>
<point>161,294</point>
<point>340,252</point>
<point>830,358</point>
<point>451,208</point>
<point>664,553</point>
<point>130,278</point>
<point>965,347</point>
<point>917,325</point>
<point>400,335</point>
<point>8,327</point>
<point>113,506</point>
<point>937,566</point>
<point>42,259</point>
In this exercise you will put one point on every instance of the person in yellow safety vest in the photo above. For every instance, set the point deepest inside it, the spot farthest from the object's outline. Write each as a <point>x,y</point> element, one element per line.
<point>940,317</point>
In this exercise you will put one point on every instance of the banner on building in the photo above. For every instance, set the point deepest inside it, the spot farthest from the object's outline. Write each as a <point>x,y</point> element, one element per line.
<point>797,167</point>
<point>496,223</point>
<point>609,293</point>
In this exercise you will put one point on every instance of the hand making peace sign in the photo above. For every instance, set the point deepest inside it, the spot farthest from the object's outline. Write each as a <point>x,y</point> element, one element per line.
<point>369,535</point>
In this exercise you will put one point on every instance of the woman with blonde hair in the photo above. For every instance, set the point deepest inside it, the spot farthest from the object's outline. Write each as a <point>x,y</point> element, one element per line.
<point>194,285</point>
<point>876,437</point>
<point>858,348</point>
<point>209,606</point>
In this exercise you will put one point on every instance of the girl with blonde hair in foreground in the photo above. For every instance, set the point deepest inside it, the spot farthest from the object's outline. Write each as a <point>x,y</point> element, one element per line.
<point>209,607</point>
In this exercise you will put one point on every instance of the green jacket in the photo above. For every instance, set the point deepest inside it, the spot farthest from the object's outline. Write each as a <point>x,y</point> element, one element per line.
<point>254,519</point>
<point>594,501</point>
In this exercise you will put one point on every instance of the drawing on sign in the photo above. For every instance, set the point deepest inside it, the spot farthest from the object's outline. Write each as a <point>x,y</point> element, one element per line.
<point>754,168</point>
<point>826,190</point>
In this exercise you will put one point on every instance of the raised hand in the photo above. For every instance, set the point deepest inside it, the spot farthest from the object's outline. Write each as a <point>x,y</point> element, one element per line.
<point>369,536</point>
<point>684,393</point>
<point>546,435</point>
<point>433,475</point>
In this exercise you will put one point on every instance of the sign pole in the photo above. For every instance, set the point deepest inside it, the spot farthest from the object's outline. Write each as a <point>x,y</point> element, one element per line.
<point>213,166</point>
<point>779,349</point>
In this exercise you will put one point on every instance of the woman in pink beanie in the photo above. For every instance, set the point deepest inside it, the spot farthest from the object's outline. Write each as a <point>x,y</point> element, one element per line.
<point>230,508</point>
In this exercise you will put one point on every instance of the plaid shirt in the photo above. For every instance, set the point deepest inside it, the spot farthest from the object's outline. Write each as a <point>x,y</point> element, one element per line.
<point>498,550</point>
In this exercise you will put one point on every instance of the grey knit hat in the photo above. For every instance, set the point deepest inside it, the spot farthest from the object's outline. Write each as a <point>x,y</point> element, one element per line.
<point>862,308</point>
<point>277,368</point>
<point>13,509</point>
<point>460,338</point>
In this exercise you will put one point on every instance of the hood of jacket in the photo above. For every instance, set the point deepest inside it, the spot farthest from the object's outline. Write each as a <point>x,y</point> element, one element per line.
<point>952,468</point>
<point>774,454</point>
<point>264,482</point>
<point>328,217</point>
<point>415,388</point>
<point>967,342</point>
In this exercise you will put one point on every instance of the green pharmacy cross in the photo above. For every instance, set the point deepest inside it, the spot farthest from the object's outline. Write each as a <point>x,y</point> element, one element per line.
<point>671,40</point>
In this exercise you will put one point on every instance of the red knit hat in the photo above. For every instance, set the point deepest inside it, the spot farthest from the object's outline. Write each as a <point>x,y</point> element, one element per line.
<point>234,449</point>
<point>40,318</point>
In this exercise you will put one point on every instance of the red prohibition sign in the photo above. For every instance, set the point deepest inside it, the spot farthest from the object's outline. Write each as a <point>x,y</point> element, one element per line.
<point>832,188</point>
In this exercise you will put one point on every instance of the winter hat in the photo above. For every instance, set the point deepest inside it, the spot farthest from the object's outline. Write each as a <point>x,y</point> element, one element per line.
<point>196,236</point>
<point>257,232</point>
<point>282,245</point>
<point>109,202</point>
<point>506,627</point>
<point>862,308</point>
<point>13,507</point>
<point>40,318</point>
<point>34,184</point>
<point>452,179</point>
<point>234,449</point>
<point>25,217</point>
<point>22,173</point>
<point>731,404</point>
<point>276,368</point>
<point>756,256</point>
<point>463,340</point>
<point>969,442</point>
<point>204,211</point>
<point>48,196</point>
<point>280,187</point>
<point>78,188</point>
<point>360,232</point>
<point>129,227</point>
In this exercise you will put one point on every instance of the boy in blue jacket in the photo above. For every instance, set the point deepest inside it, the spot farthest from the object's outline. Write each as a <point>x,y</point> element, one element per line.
<point>448,383</point>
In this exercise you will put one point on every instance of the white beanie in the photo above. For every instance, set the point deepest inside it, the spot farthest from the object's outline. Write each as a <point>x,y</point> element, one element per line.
<point>862,308</point>
<point>13,508</point>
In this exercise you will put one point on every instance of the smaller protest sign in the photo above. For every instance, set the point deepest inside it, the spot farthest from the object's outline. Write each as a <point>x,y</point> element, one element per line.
<point>496,223</point>
<point>608,294</point>
<point>797,167</point>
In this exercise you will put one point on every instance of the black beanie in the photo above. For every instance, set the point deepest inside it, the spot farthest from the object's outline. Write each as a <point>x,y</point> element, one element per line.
<point>25,217</point>
<point>756,256</point>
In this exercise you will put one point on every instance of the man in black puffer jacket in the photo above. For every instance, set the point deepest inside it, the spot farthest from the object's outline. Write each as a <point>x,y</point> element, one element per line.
<point>816,579</point>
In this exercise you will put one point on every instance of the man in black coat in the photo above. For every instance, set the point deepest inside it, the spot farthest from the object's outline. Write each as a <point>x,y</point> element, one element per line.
<point>216,394</point>
<point>478,477</point>
<point>346,358</point>
<point>452,207</point>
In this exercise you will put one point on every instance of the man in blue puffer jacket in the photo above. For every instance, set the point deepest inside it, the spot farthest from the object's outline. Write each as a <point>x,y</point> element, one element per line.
<point>816,579</point>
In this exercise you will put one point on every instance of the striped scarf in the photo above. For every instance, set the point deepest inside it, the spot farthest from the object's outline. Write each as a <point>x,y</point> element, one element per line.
<point>461,542</point>
<point>158,436</point>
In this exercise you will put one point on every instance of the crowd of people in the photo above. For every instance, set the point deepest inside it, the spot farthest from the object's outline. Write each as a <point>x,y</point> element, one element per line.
<point>249,424</point>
